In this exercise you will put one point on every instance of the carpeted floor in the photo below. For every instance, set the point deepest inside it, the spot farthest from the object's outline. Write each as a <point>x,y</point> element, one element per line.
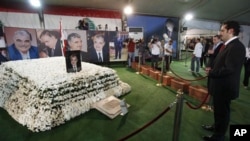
<point>147,101</point>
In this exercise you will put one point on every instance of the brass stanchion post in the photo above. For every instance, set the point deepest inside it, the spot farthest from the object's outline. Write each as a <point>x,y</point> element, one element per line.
<point>178,115</point>
<point>139,64</point>
<point>162,70</point>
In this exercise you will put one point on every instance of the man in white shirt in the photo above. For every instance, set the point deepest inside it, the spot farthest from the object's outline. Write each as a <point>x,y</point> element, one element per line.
<point>155,46</point>
<point>168,49</point>
<point>196,56</point>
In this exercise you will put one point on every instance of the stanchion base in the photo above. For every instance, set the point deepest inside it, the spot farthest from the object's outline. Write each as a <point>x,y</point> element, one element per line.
<point>159,84</point>
<point>137,72</point>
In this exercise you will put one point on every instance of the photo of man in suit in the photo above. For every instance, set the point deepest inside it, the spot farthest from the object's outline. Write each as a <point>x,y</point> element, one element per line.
<point>75,42</point>
<point>170,30</point>
<point>98,52</point>
<point>171,33</point>
<point>224,79</point>
<point>73,61</point>
<point>51,39</point>
<point>118,42</point>
<point>21,48</point>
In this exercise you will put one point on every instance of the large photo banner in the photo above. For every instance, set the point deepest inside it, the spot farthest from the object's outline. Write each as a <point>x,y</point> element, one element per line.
<point>117,46</point>
<point>76,40</point>
<point>164,28</point>
<point>49,43</point>
<point>99,47</point>
<point>21,43</point>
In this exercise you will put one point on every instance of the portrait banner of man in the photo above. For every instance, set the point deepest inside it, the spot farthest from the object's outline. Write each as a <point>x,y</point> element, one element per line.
<point>171,33</point>
<point>21,43</point>
<point>117,46</point>
<point>76,40</point>
<point>73,61</point>
<point>49,42</point>
<point>98,47</point>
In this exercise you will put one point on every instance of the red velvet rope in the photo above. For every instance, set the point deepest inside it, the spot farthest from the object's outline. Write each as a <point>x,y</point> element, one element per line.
<point>187,79</point>
<point>146,125</point>
<point>189,104</point>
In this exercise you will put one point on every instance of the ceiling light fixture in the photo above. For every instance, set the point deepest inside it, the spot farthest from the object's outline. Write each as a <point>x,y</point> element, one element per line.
<point>188,17</point>
<point>35,3</point>
<point>128,10</point>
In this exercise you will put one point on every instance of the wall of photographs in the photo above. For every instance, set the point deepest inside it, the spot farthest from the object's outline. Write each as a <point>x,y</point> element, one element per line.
<point>95,46</point>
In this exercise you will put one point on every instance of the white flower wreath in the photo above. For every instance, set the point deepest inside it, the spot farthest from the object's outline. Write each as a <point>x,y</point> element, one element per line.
<point>40,94</point>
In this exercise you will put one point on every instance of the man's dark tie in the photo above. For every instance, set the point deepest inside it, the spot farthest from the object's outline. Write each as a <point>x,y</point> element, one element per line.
<point>222,48</point>
<point>99,57</point>
<point>74,68</point>
<point>52,52</point>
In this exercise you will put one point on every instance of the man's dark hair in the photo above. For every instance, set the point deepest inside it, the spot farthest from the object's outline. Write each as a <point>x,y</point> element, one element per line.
<point>50,33</point>
<point>217,36</point>
<point>232,25</point>
<point>73,35</point>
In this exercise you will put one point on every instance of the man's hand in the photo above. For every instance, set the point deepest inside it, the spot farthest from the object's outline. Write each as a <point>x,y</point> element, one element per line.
<point>207,70</point>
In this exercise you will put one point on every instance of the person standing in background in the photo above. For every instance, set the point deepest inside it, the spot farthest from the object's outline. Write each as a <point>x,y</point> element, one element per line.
<point>155,47</point>
<point>131,51</point>
<point>21,48</point>
<point>217,44</point>
<point>141,50</point>
<point>168,50</point>
<point>196,56</point>
<point>224,79</point>
<point>247,68</point>
<point>202,58</point>
<point>212,53</point>
<point>118,46</point>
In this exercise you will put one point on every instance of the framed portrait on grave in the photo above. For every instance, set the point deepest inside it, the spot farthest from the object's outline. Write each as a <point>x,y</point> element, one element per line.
<point>73,61</point>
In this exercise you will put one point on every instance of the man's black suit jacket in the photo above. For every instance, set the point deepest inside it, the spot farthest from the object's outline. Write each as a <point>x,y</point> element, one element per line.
<point>225,75</point>
<point>57,51</point>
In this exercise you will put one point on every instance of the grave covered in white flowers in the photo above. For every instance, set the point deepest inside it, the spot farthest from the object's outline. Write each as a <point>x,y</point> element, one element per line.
<point>40,94</point>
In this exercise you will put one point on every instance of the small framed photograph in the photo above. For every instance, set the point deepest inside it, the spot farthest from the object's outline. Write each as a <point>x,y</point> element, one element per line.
<point>73,61</point>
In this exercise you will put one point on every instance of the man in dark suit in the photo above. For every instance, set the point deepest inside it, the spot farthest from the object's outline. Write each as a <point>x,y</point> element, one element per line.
<point>118,46</point>
<point>74,65</point>
<point>225,78</point>
<point>51,39</point>
<point>212,53</point>
<point>98,53</point>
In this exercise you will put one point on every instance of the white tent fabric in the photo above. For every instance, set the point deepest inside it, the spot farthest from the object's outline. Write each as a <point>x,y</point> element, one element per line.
<point>245,35</point>
<point>23,20</point>
<point>31,20</point>
<point>70,22</point>
<point>202,24</point>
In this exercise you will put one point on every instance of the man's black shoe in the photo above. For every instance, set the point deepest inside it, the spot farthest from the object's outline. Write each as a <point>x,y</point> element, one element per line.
<point>213,138</point>
<point>208,138</point>
<point>208,127</point>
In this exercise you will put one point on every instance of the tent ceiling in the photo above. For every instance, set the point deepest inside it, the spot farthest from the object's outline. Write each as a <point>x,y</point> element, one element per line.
<point>218,10</point>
